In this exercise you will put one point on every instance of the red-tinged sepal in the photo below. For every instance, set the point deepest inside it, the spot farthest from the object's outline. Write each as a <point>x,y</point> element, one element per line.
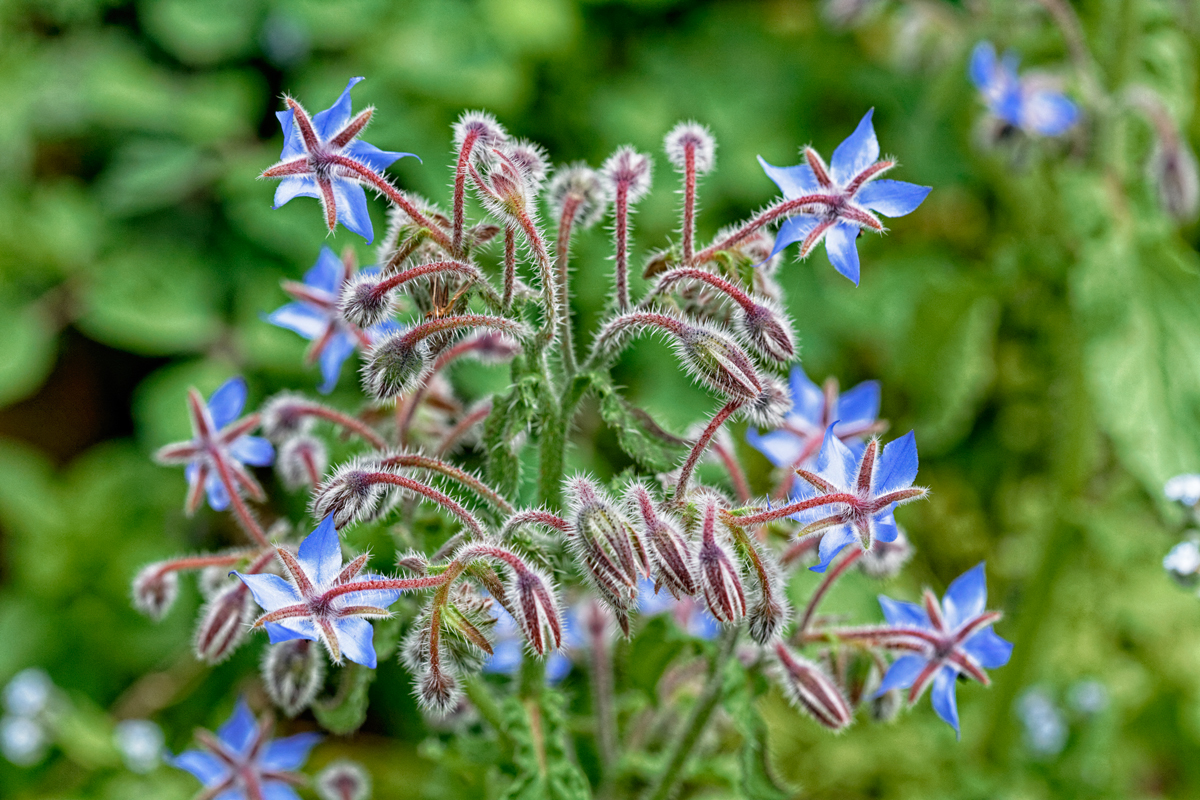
<point>810,689</point>
<point>224,621</point>
<point>292,673</point>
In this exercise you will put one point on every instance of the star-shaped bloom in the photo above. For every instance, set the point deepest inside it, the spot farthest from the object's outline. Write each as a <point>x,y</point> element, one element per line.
<point>688,613</point>
<point>321,600</point>
<point>845,196</point>
<point>1027,103</point>
<point>508,646</point>
<point>219,450</point>
<point>323,158</point>
<point>814,408</point>
<point>243,762</point>
<point>947,639</point>
<point>315,316</point>
<point>862,490</point>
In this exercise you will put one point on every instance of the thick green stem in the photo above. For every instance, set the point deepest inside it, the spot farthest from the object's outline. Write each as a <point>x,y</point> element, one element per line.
<point>557,413</point>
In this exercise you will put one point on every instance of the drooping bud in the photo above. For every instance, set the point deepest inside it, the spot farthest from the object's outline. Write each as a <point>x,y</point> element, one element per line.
<point>437,689</point>
<point>224,621</point>
<point>772,404</point>
<point>395,365</point>
<point>1182,563</point>
<point>580,185</point>
<point>810,689</point>
<point>344,780</point>
<point>155,590</point>
<point>767,612</point>
<point>768,330</point>
<point>349,494</point>
<point>465,622</point>
<point>695,137</point>
<point>673,555</point>
<point>720,576</point>
<point>609,550</point>
<point>292,673</point>
<point>480,131</point>
<point>627,171</point>
<point>362,302</point>
<point>301,461</point>
<point>414,561</point>
<point>885,559</point>
<point>284,416</point>
<point>714,358</point>
<point>531,159</point>
<point>536,610</point>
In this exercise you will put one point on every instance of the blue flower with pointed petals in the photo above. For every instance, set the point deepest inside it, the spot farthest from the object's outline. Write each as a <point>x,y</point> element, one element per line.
<point>814,409</point>
<point>508,646</point>
<point>243,762</point>
<point>315,315</point>
<point>835,202</point>
<point>689,614</point>
<point>951,638</point>
<point>321,600</point>
<point>220,448</point>
<point>1025,103</point>
<point>323,158</point>
<point>848,497</point>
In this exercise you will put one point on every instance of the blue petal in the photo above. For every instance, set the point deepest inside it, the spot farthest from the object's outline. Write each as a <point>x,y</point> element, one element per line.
<point>967,596</point>
<point>1047,113</point>
<point>227,401</point>
<point>253,450</point>
<point>897,467</point>
<point>334,118</point>
<point>506,657</point>
<point>898,612</point>
<point>301,318</point>
<point>204,766</point>
<point>943,698</point>
<point>703,625</point>
<point>901,673</point>
<point>807,398</point>
<point>290,753</point>
<point>859,151</point>
<point>782,448</point>
<point>277,790</point>
<point>292,144</point>
<point>238,731</point>
<point>833,541</point>
<point>294,186</point>
<point>892,198</point>
<point>320,554</point>
<point>988,649</point>
<point>271,592</point>
<point>860,404</point>
<point>558,666</point>
<point>983,65</point>
<point>356,638</point>
<point>218,496</point>
<point>792,181</point>
<point>337,350</point>
<point>327,274</point>
<point>883,526</point>
<point>793,229</point>
<point>372,156</point>
<point>352,212</point>
<point>842,250</point>
<point>836,463</point>
<point>289,629</point>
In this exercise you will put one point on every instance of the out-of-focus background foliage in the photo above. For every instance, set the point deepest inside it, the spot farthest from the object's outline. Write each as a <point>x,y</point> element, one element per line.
<point>1037,321</point>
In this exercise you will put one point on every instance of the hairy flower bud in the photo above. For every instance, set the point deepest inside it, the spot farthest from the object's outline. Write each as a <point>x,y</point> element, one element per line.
<point>536,611</point>
<point>394,366</point>
<point>155,590</point>
<point>283,416</point>
<point>767,612</point>
<point>292,673</point>
<point>672,553</point>
<point>629,171</point>
<point>482,129</point>
<point>720,576</point>
<point>767,329</point>
<point>697,138</point>
<point>772,404</point>
<point>437,689</point>
<point>301,461</point>
<point>364,303</point>
<point>608,549</point>
<point>719,362</point>
<point>224,621</point>
<point>885,559</point>
<point>465,622</point>
<point>343,780</point>
<point>349,494</point>
<point>532,161</point>
<point>810,689</point>
<point>580,185</point>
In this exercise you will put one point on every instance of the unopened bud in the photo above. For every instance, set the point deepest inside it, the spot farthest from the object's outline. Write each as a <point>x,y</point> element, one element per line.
<point>608,548</point>
<point>772,404</point>
<point>531,159</point>
<point>1182,563</point>
<point>536,611</point>
<point>718,361</point>
<point>283,416</point>
<point>720,577</point>
<point>292,673</point>
<point>394,366</point>
<point>437,690</point>
<point>481,129</point>
<point>364,302</point>
<point>810,689</point>
<point>695,137</point>
<point>627,170</point>
<point>350,494</point>
<point>768,331</point>
<point>344,780</point>
<point>224,621</point>
<point>767,612</point>
<point>578,184</point>
<point>673,555</point>
<point>414,561</point>
<point>465,622</point>
<point>155,590</point>
<point>885,559</point>
<point>301,461</point>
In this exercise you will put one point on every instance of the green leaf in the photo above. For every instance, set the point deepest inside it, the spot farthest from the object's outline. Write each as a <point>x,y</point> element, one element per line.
<point>542,756</point>
<point>27,340</point>
<point>639,435</point>
<point>741,691</point>
<point>511,415</point>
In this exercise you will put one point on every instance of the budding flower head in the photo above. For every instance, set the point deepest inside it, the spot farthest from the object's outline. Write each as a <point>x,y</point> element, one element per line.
<point>766,612</point>
<point>364,303</point>
<point>344,780</point>
<point>580,185</point>
<point>720,574</point>
<point>768,330</point>
<point>694,137</point>
<point>292,673</point>
<point>771,405</point>
<point>283,416</point>
<point>301,461</point>
<point>224,622</point>
<point>155,590</point>
<point>811,690</point>
<point>465,621</point>
<point>531,159</point>
<point>350,494</point>
<point>718,361</point>
<point>394,366</point>
<point>673,555</point>
<point>608,549</point>
<point>480,130</point>
<point>627,171</point>
<point>885,559</point>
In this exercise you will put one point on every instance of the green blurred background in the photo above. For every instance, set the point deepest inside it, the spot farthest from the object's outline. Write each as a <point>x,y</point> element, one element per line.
<point>1036,321</point>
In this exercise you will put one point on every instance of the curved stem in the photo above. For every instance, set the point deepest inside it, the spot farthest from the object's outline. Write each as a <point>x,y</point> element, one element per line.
<point>830,578</point>
<point>433,494</point>
<point>240,510</point>
<point>403,584</point>
<point>766,217</point>
<point>730,290</point>
<point>377,181</point>
<point>689,466</point>
<point>417,461</point>
<point>462,426</point>
<point>791,508</point>
<point>460,180</point>
<point>344,420</point>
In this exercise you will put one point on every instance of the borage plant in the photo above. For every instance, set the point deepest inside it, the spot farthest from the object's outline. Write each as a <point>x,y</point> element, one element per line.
<point>576,570</point>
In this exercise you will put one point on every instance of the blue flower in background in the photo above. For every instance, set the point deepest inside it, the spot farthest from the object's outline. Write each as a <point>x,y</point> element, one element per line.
<point>508,646</point>
<point>323,158</point>
<point>952,637</point>
<point>1025,103</point>
<point>688,613</point>
<point>316,317</point>
<point>843,197</point>
<point>868,490</point>
<point>220,448</point>
<point>243,762</point>
<point>314,604</point>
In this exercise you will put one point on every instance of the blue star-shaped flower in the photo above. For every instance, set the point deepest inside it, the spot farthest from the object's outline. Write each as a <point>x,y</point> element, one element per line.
<point>508,646</point>
<point>688,613</point>
<point>243,762</point>
<point>864,491</point>
<point>951,638</point>
<point>814,409</point>
<point>843,197</point>
<point>219,450</point>
<point>323,158</point>
<point>1025,103</point>
<point>322,601</point>
<point>316,317</point>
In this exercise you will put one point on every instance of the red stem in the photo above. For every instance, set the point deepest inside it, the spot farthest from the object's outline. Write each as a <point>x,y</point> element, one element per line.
<point>403,584</point>
<point>714,425</point>
<point>731,290</point>
<point>241,511</point>
<point>510,265</point>
<point>689,201</point>
<point>345,420</point>
<point>830,578</point>
<point>460,181</point>
<point>773,213</point>
<point>792,508</point>
<point>740,484</point>
<point>433,494</point>
<point>462,426</point>
<point>380,183</point>
<point>621,236</point>
<point>417,461</point>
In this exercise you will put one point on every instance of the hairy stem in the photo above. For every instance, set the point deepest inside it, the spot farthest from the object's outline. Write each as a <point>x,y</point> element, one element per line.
<point>621,242</point>
<point>831,578</point>
<point>689,466</point>
<point>781,209</point>
<point>689,201</point>
<point>510,266</point>
<point>562,246</point>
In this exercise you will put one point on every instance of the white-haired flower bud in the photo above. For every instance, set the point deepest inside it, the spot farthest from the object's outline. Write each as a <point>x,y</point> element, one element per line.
<point>437,690</point>
<point>767,611</point>
<point>627,171</point>
<point>720,362</point>
<point>531,159</point>
<point>284,416</point>
<point>364,303</point>
<point>480,131</point>
<point>772,404</point>
<point>885,559</point>
<point>720,574</point>
<point>673,555</point>
<point>301,461</point>
<point>580,186</point>
<point>224,621</point>
<point>694,137</point>
<point>608,549</point>
<point>394,366</point>
<point>292,673</point>
<point>810,689</point>
<point>767,329</point>
<point>155,590</point>
<point>350,494</point>
<point>344,780</point>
